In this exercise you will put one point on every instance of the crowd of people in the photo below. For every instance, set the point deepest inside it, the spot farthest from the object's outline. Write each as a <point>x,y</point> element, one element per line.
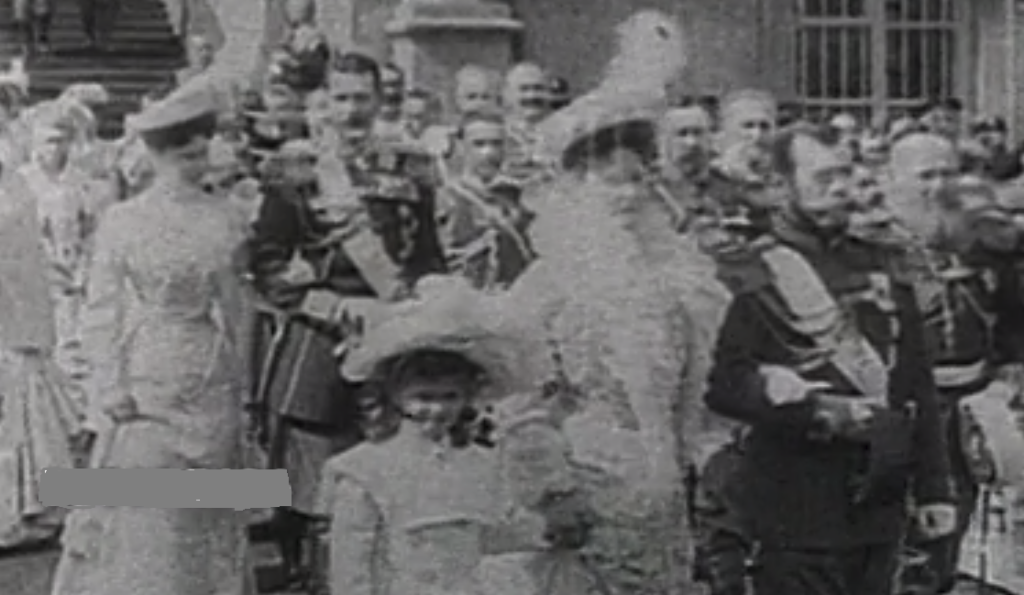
<point>619,343</point>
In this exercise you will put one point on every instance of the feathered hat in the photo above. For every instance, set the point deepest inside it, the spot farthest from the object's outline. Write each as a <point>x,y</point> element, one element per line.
<point>88,94</point>
<point>632,95</point>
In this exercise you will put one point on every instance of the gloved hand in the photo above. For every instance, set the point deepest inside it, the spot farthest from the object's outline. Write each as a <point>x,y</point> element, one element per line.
<point>841,416</point>
<point>935,520</point>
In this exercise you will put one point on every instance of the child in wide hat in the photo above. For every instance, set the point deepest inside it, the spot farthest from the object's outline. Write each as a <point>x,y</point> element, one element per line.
<point>424,492</point>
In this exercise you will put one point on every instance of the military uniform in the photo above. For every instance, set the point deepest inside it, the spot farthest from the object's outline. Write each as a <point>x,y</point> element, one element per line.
<point>483,230</point>
<point>708,194</point>
<point>377,251</point>
<point>827,511</point>
<point>266,133</point>
<point>723,544</point>
<point>974,323</point>
<point>523,162</point>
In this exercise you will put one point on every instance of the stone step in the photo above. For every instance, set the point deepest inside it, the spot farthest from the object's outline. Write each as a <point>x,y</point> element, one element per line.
<point>142,54</point>
<point>133,9</point>
<point>73,36</point>
<point>117,49</point>
<point>115,81</point>
<point>74,22</point>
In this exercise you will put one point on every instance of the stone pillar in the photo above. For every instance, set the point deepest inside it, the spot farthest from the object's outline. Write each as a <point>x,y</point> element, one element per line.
<point>432,39</point>
<point>243,28</point>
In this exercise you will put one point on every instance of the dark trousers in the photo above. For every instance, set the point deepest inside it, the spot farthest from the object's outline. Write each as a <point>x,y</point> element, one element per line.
<point>35,29</point>
<point>944,554</point>
<point>868,570</point>
<point>98,18</point>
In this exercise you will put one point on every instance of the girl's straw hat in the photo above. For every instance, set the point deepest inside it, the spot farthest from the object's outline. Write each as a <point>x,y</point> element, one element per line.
<point>449,315</point>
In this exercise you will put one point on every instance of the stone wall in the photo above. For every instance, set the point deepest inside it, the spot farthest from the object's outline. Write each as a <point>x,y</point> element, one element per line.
<point>575,38</point>
<point>244,24</point>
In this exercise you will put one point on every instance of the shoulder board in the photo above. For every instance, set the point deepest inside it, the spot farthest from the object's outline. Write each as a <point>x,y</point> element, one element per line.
<point>743,274</point>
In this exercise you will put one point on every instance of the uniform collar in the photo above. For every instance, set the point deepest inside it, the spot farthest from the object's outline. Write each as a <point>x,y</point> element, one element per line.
<point>793,229</point>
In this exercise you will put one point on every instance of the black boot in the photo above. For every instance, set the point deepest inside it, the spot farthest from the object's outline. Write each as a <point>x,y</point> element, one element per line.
<point>291,531</point>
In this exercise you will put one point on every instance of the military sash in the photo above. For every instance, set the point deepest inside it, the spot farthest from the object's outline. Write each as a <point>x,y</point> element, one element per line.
<point>812,311</point>
<point>494,216</point>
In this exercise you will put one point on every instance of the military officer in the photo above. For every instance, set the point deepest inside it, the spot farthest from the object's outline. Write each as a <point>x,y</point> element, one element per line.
<point>362,235</point>
<point>476,90</point>
<point>307,43</point>
<point>821,354</point>
<point>281,116</point>
<point>748,123</point>
<point>944,117</point>
<point>687,182</point>
<point>389,125</point>
<point>482,223</point>
<point>527,101</point>
<point>970,296</point>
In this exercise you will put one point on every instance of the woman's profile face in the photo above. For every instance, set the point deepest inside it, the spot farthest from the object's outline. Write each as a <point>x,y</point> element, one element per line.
<point>191,162</point>
<point>621,166</point>
<point>434,404</point>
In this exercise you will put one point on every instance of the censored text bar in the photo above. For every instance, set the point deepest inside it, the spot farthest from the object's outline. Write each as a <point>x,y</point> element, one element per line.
<point>240,489</point>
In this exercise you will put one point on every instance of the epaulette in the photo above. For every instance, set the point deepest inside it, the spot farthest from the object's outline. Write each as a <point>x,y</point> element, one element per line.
<point>907,267</point>
<point>744,273</point>
<point>390,186</point>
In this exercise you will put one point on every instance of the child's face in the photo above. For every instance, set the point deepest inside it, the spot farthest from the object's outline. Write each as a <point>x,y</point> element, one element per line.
<point>434,404</point>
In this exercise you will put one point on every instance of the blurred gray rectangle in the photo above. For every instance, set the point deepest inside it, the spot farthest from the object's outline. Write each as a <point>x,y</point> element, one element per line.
<point>240,489</point>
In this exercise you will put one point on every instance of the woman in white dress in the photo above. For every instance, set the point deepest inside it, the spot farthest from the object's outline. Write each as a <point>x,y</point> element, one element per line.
<point>164,330</point>
<point>39,415</point>
<point>631,310</point>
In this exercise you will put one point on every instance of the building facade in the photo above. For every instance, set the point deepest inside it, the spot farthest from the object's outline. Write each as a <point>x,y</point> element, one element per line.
<point>872,57</point>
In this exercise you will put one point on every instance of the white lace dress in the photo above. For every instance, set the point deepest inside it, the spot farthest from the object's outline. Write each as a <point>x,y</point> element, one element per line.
<point>38,414</point>
<point>161,325</point>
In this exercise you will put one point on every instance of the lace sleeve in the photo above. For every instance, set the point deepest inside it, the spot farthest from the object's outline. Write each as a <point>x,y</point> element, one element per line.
<point>103,315</point>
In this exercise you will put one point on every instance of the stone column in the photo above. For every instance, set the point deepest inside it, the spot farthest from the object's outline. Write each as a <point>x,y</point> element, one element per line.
<point>243,28</point>
<point>432,39</point>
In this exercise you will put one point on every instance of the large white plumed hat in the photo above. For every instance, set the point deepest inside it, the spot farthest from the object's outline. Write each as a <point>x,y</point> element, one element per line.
<point>449,315</point>
<point>633,93</point>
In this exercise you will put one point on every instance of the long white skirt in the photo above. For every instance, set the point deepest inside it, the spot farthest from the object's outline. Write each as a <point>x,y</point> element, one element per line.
<point>38,416</point>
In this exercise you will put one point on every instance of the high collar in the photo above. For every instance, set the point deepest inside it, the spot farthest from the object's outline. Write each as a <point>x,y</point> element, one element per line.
<point>474,182</point>
<point>794,229</point>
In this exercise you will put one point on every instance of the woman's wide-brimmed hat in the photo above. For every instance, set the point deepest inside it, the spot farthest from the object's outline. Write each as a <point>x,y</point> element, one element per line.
<point>596,122</point>
<point>628,102</point>
<point>449,315</point>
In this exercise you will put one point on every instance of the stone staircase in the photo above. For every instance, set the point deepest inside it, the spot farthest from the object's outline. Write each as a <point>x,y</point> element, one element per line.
<point>143,53</point>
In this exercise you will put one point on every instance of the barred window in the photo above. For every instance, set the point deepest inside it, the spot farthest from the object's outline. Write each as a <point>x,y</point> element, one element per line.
<point>874,57</point>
